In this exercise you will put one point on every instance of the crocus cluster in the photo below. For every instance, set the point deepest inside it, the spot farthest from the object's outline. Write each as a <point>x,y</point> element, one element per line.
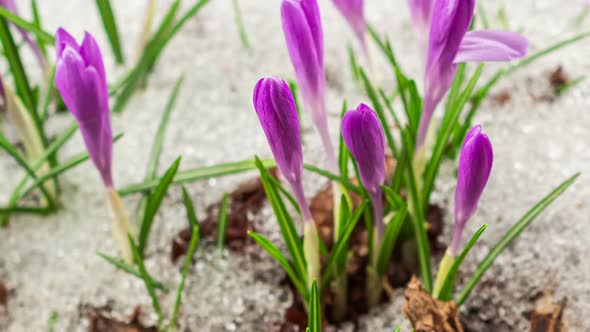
<point>451,43</point>
<point>305,42</point>
<point>81,80</point>
<point>354,13</point>
<point>275,107</point>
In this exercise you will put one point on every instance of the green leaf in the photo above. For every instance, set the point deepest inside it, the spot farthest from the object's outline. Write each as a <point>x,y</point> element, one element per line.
<point>341,246</point>
<point>147,280</point>
<point>199,173</point>
<point>187,263</point>
<point>334,177</point>
<point>343,154</point>
<point>222,223</point>
<point>240,24</point>
<point>275,253</point>
<point>23,87</point>
<point>512,233</point>
<point>392,230</point>
<point>121,265</point>
<point>190,209</point>
<point>286,224</point>
<point>354,67</point>
<point>446,290</point>
<point>153,205</point>
<point>417,215</point>
<point>110,25</point>
<point>5,145</point>
<point>26,25</point>
<point>37,22</point>
<point>315,308</point>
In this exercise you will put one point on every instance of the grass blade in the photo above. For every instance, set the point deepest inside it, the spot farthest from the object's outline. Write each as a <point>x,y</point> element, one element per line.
<point>286,224</point>
<point>341,245</point>
<point>315,308</point>
<point>240,24</point>
<point>190,208</point>
<point>26,25</point>
<point>187,263</point>
<point>153,204</point>
<point>275,253</point>
<point>110,25</point>
<point>196,174</point>
<point>222,223</point>
<point>446,290</point>
<point>147,280</point>
<point>121,265</point>
<point>334,177</point>
<point>392,231</point>
<point>512,233</point>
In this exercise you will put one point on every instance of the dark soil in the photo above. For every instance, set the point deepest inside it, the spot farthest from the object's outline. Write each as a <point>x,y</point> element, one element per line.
<point>244,203</point>
<point>100,320</point>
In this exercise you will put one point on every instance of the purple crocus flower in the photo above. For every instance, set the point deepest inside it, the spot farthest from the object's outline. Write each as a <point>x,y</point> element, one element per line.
<point>305,42</point>
<point>353,12</point>
<point>10,5</point>
<point>475,165</point>
<point>363,135</point>
<point>81,80</point>
<point>451,43</point>
<point>275,107</point>
<point>420,11</point>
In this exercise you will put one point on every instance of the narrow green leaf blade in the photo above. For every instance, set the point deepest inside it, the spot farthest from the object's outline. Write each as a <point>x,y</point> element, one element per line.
<point>110,25</point>
<point>446,291</point>
<point>121,265</point>
<point>512,233</point>
<point>154,204</point>
<point>147,280</point>
<point>315,315</point>
<point>189,207</point>
<point>222,223</point>
<point>187,263</point>
<point>392,231</point>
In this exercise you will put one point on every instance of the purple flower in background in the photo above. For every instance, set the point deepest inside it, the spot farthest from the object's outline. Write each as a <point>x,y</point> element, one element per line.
<point>305,42</point>
<point>475,165</point>
<point>451,43</point>
<point>353,11</point>
<point>275,107</point>
<point>363,135</point>
<point>81,80</point>
<point>420,10</point>
<point>10,5</point>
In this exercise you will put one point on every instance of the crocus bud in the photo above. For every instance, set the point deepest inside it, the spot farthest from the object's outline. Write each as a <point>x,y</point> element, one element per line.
<point>81,80</point>
<point>364,137</point>
<point>275,107</point>
<point>475,165</point>
<point>10,5</point>
<point>305,42</point>
<point>353,12</point>
<point>451,42</point>
<point>420,11</point>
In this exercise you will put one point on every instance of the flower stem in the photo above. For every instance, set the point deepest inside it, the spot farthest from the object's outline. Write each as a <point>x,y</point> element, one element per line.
<point>443,271</point>
<point>311,252</point>
<point>121,224</point>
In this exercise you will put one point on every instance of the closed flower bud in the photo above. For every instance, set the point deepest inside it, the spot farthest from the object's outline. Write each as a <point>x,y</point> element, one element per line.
<point>353,12</point>
<point>275,107</point>
<point>81,80</point>
<point>363,135</point>
<point>475,165</point>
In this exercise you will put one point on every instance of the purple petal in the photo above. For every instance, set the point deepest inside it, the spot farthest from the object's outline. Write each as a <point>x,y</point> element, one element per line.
<point>314,21</point>
<point>305,50</point>
<point>420,11</point>
<point>491,45</point>
<point>353,12</point>
<point>63,39</point>
<point>275,107</point>
<point>90,52</point>
<point>475,165</point>
<point>85,93</point>
<point>363,135</point>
